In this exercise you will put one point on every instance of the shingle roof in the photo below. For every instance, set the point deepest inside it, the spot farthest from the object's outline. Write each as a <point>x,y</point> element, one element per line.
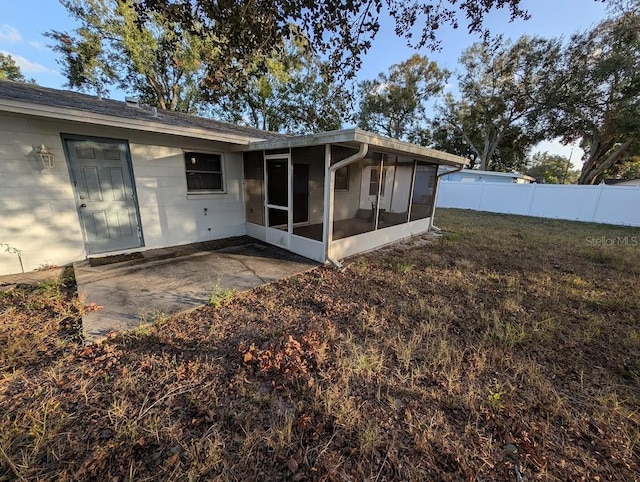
<point>61,98</point>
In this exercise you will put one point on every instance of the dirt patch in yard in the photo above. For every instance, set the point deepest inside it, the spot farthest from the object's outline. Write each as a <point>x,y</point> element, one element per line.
<point>507,350</point>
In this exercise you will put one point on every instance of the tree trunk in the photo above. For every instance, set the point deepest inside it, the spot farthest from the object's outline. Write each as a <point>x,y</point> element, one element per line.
<point>158,90</point>
<point>589,176</point>
<point>490,145</point>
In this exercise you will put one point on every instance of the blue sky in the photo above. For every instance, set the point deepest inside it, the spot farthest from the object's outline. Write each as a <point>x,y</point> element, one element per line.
<point>23,23</point>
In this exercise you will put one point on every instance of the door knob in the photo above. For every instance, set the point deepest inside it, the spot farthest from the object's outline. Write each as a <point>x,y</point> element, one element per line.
<point>83,205</point>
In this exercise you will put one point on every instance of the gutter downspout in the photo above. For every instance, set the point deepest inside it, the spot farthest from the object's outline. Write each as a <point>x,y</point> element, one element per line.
<point>435,198</point>
<point>330,197</point>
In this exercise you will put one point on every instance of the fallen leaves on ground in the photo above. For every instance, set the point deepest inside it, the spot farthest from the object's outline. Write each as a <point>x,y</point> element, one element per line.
<point>507,349</point>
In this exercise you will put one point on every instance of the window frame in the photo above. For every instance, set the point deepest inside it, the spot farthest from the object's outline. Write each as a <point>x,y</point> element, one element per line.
<point>222,172</point>
<point>348,177</point>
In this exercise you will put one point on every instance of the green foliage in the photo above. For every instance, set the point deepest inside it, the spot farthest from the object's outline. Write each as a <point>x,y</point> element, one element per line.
<point>151,57</point>
<point>220,296</point>
<point>395,104</point>
<point>627,169</point>
<point>495,396</point>
<point>9,70</point>
<point>495,121</point>
<point>340,30</point>
<point>288,93</point>
<point>553,169</point>
<point>594,93</point>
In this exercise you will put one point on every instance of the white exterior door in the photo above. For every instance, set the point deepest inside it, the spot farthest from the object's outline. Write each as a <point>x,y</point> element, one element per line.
<point>105,194</point>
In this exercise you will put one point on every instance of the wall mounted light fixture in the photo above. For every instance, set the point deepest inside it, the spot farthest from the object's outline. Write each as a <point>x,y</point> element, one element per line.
<point>45,155</point>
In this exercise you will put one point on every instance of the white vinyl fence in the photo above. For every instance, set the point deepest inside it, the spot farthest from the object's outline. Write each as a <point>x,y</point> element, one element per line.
<point>599,204</point>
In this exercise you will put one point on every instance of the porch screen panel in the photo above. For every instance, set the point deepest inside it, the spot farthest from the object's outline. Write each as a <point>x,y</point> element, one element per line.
<point>254,187</point>
<point>400,171</point>
<point>423,191</point>
<point>355,210</point>
<point>278,219</point>
<point>308,191</point>
<point>347,188</point>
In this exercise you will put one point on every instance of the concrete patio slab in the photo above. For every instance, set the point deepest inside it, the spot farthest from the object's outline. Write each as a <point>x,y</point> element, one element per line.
<point>133,293</point>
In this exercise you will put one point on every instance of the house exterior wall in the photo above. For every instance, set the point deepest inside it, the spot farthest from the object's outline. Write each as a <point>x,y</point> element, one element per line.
<point>346,203</point>
<point>38,208</point>
<point>397,188</point>
<point>254,187</point>
<point>385,200</point>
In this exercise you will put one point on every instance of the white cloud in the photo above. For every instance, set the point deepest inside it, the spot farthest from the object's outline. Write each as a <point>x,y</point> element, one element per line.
<point>29,67</point>
<point>37,45</point>
<point>9,34</point>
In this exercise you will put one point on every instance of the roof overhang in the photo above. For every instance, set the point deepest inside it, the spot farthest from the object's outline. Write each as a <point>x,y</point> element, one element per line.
<point>356,137</point>
<point>85,117</point>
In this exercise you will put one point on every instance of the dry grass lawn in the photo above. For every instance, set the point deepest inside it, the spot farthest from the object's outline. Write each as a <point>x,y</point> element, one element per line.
<point>508,350</point>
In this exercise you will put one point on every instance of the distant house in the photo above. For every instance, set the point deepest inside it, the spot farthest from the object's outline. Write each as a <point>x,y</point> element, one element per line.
<point>475,175</point>
<point>82,176</point>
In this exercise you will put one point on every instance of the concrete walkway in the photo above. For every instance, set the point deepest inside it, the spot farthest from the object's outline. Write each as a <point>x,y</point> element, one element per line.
<point>30,278</point>
<point>172,280</point>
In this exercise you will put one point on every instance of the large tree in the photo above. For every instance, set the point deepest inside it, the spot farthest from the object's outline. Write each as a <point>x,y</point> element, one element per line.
<point>9,70</point>
<point>395,103</point>
<point>594,94</point>
<point>339,30</point>
<point>290,94</point>
<point>151,57</point>
<point>628,169</point>
<point>497,115</point>
<point>552,169</point>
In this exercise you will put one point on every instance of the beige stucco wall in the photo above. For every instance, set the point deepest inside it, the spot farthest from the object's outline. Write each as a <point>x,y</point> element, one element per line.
<point>38,208</point>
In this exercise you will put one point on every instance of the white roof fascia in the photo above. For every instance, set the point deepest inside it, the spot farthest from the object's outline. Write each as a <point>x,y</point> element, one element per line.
<point>76,115</point>
<point>357,135</point>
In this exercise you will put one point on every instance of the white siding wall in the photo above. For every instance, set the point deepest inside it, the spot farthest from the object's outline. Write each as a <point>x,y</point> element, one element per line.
<point>600,204</point>
<point>38,213</point>
<point>37,207</point>
<point>346,203</point>
<point>169,216</point>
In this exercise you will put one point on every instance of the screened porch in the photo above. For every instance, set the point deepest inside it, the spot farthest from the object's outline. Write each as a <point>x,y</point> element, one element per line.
<point>333,195</point>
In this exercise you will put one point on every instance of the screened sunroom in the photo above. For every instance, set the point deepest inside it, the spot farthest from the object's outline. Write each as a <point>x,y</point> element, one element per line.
<point>332,195</point>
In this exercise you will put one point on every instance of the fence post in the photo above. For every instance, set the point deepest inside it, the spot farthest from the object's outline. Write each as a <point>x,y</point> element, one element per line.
<point>534,186</point>
<point>480,197</point>
<point>596,202</point>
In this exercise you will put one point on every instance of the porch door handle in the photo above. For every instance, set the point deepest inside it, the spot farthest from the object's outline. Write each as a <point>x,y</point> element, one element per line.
<point>83,205</point>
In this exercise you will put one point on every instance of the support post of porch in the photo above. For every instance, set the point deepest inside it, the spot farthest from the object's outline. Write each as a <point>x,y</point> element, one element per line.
<point>329,195</point>
<point>413,182</point>
<point>380,178</point>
